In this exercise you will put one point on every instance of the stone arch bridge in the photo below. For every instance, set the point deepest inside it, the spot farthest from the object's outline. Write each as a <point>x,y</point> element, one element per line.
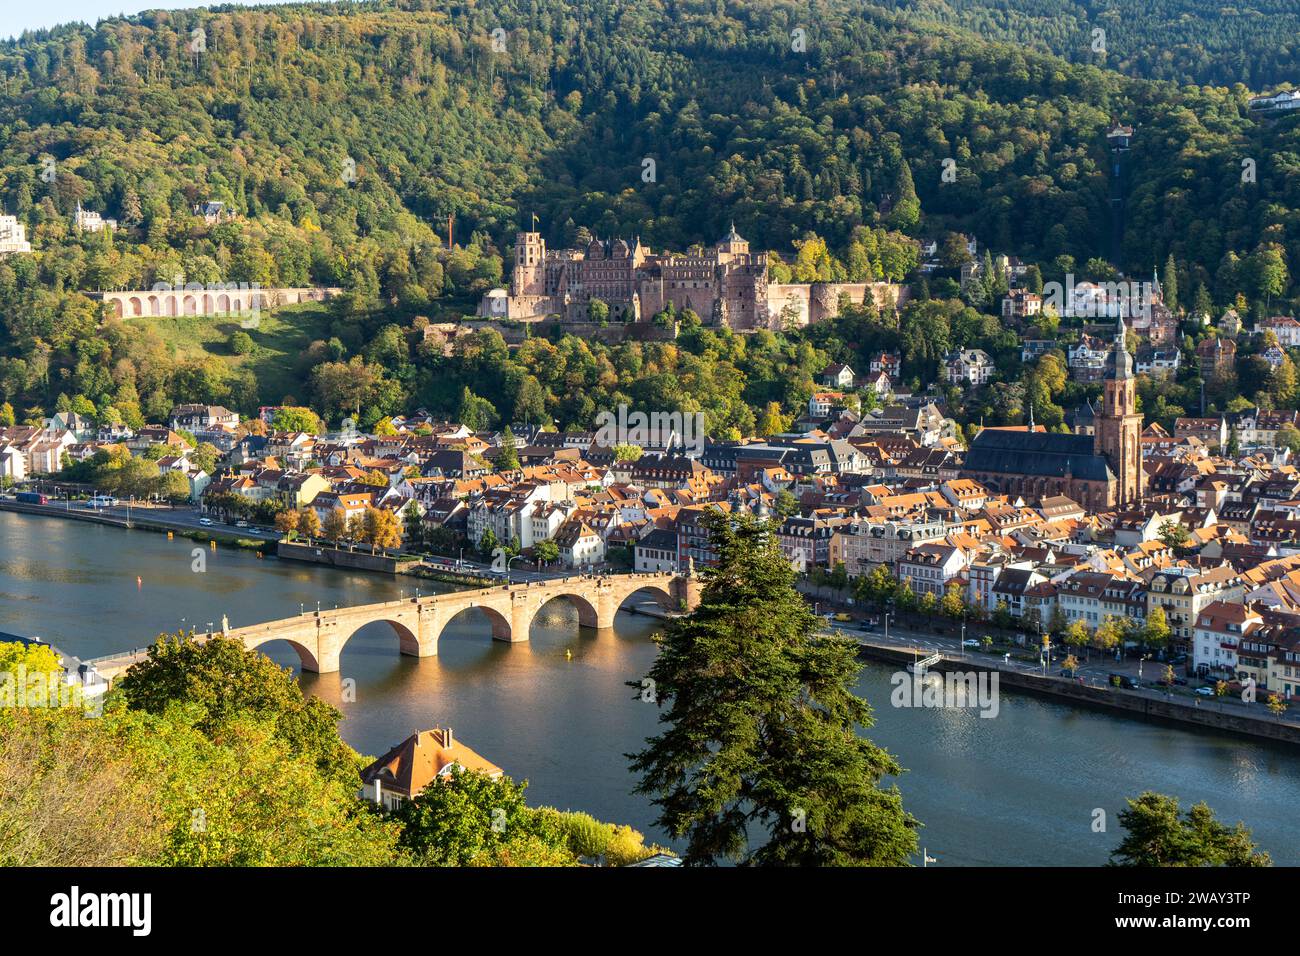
<point>319,636</point>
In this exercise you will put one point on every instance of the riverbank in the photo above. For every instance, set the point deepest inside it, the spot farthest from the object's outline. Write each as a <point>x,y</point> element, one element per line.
<point>140,521</point>
<point>1114,699</point>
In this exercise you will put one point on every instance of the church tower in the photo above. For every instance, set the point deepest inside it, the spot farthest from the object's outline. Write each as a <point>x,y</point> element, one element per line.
<point>1118,430</point>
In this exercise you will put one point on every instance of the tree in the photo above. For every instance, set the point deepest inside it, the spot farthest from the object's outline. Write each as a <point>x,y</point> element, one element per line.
<point>336,525</point>
<point>413,524</point>
<point>1156,633</point>
<point>1170,284</point>
<point>308,523</point>
<point>953,605</point>
<point>1076,635</point>
<point>1002,615</point>
<point>475,413</point>
<point>296,418</point>
<point>220,679</point>
<point>487,544</point>
<point>469,819</point>
<point>1108,635</point>
<point>786,503</point>
<point>1173,534</point>
<point>546,551</point>
<point>748,692</point>
<point>34,658</point>
<point>286,522</point>
<point>380,529</point>
<point>1157,835</point>
<point>507,456</point>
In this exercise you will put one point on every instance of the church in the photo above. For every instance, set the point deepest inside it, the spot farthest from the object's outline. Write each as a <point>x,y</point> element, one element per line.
<point>1101,471</point>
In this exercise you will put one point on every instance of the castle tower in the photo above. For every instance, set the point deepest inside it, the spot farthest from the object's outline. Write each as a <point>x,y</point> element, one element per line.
<point>1118,430</point>
<point>732,245</point>
<point>530,270</point>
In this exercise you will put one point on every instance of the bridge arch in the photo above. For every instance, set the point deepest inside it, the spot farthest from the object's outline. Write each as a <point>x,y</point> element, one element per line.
<point>306,655</point>
<point>588,614</point>
<point>501,628</point>
<point>663,596</point>
<point>407,641</point>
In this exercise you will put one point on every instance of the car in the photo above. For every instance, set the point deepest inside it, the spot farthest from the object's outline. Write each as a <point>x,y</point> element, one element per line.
<point>1204,691</point>
<point>206,522</point>
<point>970,642</point>
<point>866,626</point>
<point>1123,680</point>
<point>241,523</point>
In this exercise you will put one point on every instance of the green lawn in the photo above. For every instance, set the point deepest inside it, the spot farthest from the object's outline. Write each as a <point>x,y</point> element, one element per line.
<point>281,336</point>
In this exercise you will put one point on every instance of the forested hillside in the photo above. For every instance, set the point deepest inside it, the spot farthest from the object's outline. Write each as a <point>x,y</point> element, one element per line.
<point>785,118</point>
<point>1256,42</point>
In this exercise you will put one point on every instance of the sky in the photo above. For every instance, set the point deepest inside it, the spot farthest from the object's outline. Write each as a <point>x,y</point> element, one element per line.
<point>19,15</point>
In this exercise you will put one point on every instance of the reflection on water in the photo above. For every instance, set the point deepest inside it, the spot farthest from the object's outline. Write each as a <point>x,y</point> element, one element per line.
<point>1017,789</point>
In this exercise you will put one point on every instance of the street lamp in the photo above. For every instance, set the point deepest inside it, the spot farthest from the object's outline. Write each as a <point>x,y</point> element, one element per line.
<point>508,562</point>
<point>961,648</point>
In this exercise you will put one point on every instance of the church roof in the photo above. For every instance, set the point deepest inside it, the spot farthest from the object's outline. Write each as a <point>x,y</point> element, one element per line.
<point>1037,454</point>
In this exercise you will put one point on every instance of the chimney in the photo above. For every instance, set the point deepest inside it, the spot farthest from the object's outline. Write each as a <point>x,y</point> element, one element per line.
<point>447,740</point>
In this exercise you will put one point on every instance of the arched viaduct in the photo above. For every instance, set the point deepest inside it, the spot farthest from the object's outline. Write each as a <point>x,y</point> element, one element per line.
<point>319,636</point>
<point>217,299</point>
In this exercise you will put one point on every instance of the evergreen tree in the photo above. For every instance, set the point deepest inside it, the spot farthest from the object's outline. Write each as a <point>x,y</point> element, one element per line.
<point>1156,835</point>
<point>1170,283</point>
<point>760,725</point>
<point>507,457</point>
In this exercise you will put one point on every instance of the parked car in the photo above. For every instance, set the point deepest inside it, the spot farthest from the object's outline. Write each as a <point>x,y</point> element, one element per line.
<point>1123,680</point>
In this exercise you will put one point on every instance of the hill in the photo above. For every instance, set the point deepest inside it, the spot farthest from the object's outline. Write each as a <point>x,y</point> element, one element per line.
<point>343,137</point>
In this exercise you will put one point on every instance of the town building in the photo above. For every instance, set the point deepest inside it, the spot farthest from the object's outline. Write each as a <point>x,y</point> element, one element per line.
<point>404,771</point>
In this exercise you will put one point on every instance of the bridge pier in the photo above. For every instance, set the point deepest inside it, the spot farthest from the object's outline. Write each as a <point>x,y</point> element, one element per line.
<point>521,619</point>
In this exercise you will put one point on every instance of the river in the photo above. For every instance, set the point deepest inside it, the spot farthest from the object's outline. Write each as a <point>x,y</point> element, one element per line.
<point>1020,789</point>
